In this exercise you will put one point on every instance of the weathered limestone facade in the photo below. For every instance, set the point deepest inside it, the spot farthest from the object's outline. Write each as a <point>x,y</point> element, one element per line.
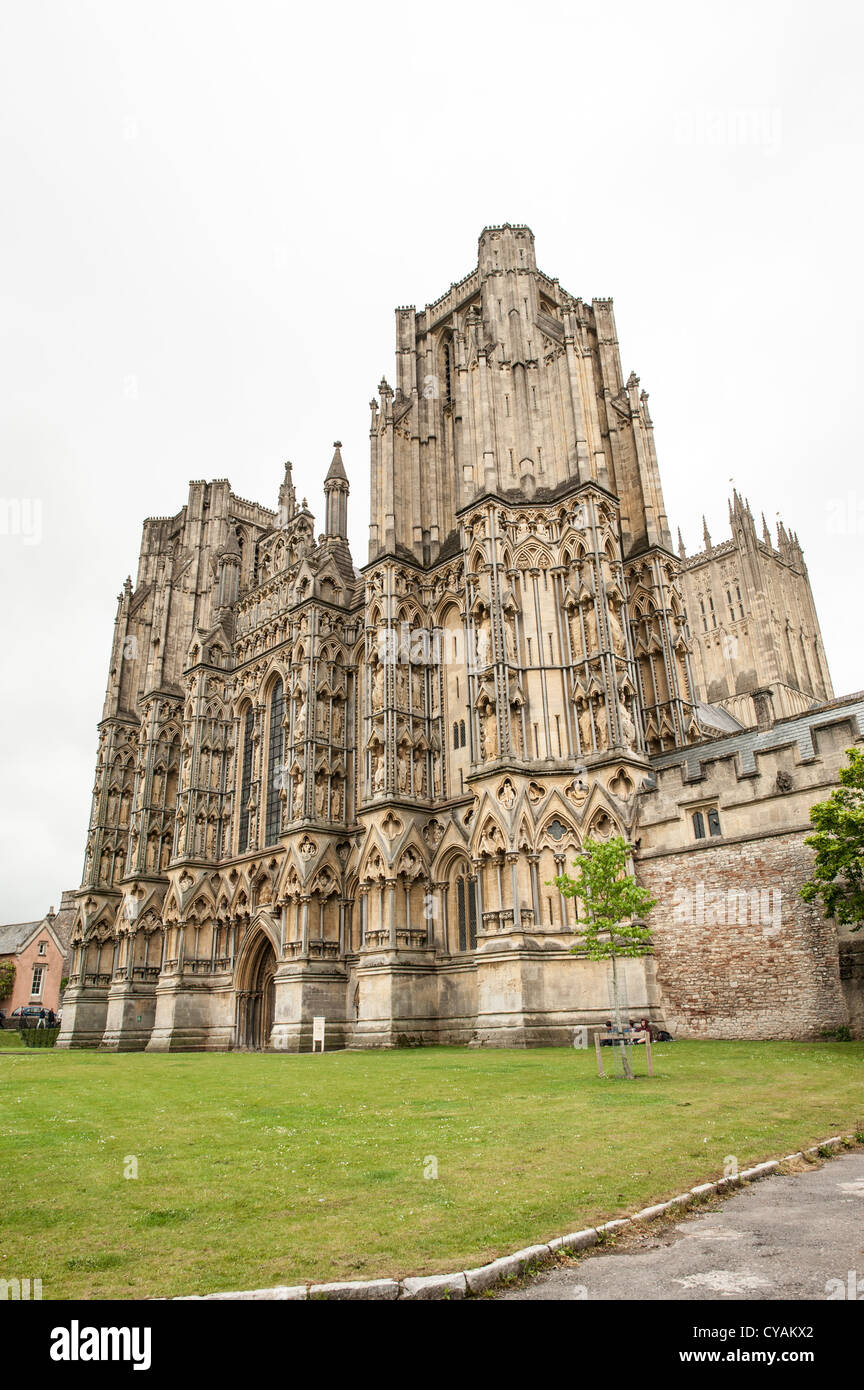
<point>328,792</point>
<point>753,620</point>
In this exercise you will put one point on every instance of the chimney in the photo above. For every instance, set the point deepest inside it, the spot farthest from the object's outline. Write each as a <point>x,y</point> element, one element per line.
<point>763,704</point>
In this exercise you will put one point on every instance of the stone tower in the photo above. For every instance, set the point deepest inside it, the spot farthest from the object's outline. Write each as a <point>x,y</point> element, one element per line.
<point>757,644</point>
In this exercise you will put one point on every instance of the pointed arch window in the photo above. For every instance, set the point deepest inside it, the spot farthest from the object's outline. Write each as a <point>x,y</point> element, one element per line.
<point>275,763</point>
<point>245,782</point>
<point>466,911</point>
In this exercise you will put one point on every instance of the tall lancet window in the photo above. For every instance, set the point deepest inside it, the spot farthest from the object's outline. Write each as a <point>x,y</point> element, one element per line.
<point>275,763</point>
<point>466,909</point>
<point>245,783</point>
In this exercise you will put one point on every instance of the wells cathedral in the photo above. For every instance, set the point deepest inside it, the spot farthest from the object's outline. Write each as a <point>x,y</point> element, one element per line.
<point>341,792</point>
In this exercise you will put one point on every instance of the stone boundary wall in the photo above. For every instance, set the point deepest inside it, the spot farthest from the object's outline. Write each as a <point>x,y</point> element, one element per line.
<point>738,954</point>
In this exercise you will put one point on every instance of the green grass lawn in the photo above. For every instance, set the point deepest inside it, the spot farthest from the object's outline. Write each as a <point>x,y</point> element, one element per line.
<point>257,1169</point>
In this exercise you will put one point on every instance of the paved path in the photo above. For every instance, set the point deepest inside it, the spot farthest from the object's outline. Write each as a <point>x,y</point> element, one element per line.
<point>783,1237</point>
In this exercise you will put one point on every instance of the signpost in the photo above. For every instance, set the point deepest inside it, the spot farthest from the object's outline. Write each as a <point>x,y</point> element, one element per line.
<point>317,1033</point>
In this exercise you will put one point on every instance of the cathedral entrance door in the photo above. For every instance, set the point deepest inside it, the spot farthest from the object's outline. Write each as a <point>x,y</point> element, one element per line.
<point>256,1003</point>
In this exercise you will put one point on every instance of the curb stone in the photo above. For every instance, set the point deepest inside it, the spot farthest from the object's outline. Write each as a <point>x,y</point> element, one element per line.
<point>435,1286</point>
<point>579,1240</point>
<point>365,1289</point>
<point>473,1281</point>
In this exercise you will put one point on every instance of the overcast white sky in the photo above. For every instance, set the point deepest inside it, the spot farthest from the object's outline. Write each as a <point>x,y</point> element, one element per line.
<point>210,210</point>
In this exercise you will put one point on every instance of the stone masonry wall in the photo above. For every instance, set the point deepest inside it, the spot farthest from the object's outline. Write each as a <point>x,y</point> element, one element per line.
<point>764,966</point>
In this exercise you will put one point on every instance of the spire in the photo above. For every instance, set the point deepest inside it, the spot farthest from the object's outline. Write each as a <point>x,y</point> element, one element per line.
<point>681,551</point>
<point>766,534</point>
<point>706,534</point>
<point>337,471</point>
<point>287,497</point>
<point>336,497</point>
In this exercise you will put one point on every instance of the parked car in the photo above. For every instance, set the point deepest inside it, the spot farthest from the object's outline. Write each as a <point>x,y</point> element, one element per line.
<point>26,1015</point>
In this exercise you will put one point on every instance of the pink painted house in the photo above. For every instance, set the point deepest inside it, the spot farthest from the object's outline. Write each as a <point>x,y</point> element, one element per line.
<point>37,952</point>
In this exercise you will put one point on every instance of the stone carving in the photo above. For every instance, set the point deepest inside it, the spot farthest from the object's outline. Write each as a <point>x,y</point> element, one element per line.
<point>616,631</point>
<point>490,733</point>
<point>298,795</point>
<point>378,685</point>
<point>586,734</point>
<point>378,772</point>
<point>484,640</point>
<point>507,794</point>
<point>628,728</point>
<point>299,720</point>
<point>403,770</point>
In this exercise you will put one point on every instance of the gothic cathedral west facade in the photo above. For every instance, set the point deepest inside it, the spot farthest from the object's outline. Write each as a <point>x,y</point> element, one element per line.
<point>341,792</point>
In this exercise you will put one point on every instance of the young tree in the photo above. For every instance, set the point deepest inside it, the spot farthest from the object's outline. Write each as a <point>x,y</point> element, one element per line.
<point>838,876</point>
<point>614,903</point>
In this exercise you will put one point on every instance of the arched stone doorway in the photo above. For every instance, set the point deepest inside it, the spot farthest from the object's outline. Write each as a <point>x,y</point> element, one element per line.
<point>256,996</point>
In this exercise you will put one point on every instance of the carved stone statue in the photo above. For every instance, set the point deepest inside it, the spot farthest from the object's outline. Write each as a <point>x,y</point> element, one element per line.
<point>300,721</point>
<point>377,772</point>
<point>490,732</point>
<point>628,728</point>
<point>575,633</point>
<point>484,640</point>
<point>619,645</point>
<point>338,721</point>
<point>585,729</point>
<point>601,724</point>
<point>378,685</point>
<point>403,770</point>
<point>589,618</point>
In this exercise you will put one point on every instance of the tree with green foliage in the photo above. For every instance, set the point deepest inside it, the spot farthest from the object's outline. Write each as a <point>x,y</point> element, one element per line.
<point>7,979</point>
<point>614,904</point>
<point>838,875</point>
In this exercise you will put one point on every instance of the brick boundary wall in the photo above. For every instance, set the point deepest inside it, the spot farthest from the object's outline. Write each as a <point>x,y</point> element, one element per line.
<point>742,977</point>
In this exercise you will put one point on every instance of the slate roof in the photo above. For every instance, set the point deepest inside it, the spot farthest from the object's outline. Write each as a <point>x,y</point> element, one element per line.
<point>13,937</point>
<point>795,729</point>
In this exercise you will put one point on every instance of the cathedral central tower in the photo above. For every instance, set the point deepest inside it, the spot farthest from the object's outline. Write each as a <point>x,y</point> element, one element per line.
<point>507,384</point>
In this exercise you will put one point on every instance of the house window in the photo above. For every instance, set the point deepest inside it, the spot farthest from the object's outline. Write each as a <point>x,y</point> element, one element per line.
<point>43,948</point>
<point>462,733</point>
<point>38,974</point>
<point>706,821</point>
